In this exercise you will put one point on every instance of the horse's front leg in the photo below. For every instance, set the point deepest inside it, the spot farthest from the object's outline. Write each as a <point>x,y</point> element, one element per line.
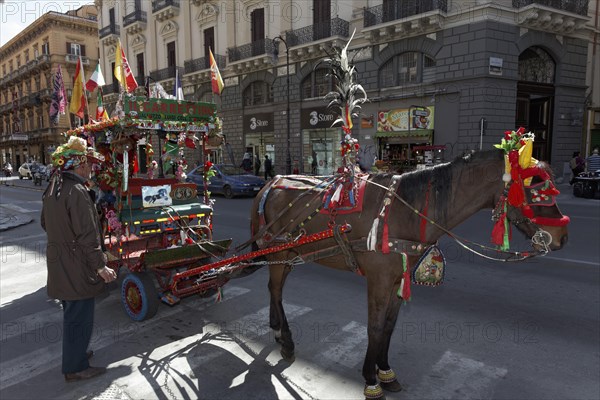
<point>277,319</point>
<point>382,303</point>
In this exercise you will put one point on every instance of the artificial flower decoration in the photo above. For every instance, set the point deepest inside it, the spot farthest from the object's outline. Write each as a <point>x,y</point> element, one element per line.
<point>73,153</point>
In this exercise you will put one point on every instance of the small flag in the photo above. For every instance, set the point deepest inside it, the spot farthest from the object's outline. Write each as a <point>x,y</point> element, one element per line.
<point>97,79</point>
<point>78,101</point>
<point>58,105</point>
<point>122,68</point>
<point>101,114</point>
<point>178,90</point>
<point>217,81</point>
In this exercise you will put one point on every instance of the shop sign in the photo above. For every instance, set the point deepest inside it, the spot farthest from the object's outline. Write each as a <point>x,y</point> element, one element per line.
<point>258,122</point>
<point>319,117</point>
<point>398,119</point>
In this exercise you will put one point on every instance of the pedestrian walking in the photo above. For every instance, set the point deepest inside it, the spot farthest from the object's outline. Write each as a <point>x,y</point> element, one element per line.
<point>76,264</point>
<point>577,165</point>
<point>256,164</point>
<point>247,163</point>
<point>593,161</point>
<point>268,164</point>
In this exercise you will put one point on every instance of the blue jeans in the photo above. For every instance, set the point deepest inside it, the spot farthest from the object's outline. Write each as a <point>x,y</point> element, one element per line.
<point>78,324</point>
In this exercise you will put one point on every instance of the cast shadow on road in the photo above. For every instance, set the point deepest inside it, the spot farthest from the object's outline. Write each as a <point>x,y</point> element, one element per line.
<point>216,372</point>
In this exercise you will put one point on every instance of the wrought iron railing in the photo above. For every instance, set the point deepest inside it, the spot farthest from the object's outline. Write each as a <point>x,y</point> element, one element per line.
<point>137,15</point>
<point>257,48</point>
<point>111,88</point>
<point>575,6</point>
<point>392,11</point>
<point>198,64</point>
<point>322,30</point>
<point>109,30</point>
<point>165,73</point>
<point>158,5</point>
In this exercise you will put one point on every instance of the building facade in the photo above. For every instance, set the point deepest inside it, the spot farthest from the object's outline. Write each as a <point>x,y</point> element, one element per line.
<point>28,63</point>
<point>442,75</point>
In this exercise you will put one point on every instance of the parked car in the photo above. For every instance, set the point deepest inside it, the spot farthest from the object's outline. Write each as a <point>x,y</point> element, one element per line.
<point>229,181</point>
<point>25,171</point>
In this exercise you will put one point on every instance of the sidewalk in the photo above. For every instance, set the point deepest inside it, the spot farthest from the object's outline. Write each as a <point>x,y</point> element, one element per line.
<point>9,218</point>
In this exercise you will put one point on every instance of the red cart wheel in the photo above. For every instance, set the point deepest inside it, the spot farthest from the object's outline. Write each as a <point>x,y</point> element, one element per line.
<point>139,296</point>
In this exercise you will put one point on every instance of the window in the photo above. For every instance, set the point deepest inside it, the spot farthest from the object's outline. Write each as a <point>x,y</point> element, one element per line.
<point>317,84</point>
<point>321,19</point>
<point>536,65</point>
<point>75,49</point>
<point>209,42</point>
<point>407,68</point>
<point>257,28</point>
<point>258,93</point>
<point>140,67</point>
<point>111,16</point>
<point>171,59</point>
<point>18,61</point>
<point>3,69</point>
<point>46,48</point>
<point>26,56</point>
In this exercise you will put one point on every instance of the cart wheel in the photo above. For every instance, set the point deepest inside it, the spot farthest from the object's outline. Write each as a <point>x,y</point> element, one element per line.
<point>139,296</point>
<point>228,192</point>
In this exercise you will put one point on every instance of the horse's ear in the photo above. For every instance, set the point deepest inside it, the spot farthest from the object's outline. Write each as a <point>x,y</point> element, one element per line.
<point>467,155</point>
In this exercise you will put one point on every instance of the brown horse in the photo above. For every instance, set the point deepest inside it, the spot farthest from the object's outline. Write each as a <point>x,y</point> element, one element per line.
<point>449,192</point>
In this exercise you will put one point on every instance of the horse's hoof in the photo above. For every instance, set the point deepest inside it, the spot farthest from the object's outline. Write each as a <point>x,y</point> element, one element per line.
<point>288,355</point>
<point>373,392</point>
<point>393,386</point>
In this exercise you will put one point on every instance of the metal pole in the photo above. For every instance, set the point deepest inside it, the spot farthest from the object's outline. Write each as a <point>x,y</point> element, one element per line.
<point>288,163</point>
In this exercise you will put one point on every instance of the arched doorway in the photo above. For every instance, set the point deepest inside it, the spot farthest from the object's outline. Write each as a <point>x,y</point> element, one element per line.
<point>535,98</point>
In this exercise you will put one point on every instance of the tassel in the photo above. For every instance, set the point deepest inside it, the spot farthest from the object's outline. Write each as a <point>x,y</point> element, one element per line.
<point>498,231</point>
<point>516,197</point>
<point>385,245</point>
<point>404,289</point>
<point>372,238</point>
<point>528,212</point>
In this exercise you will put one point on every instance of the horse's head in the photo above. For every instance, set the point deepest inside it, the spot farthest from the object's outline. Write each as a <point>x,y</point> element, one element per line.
<point>539,217</point>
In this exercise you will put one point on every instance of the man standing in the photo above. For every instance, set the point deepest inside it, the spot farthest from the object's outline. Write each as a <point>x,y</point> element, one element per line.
<point>256,164</point>
<point>593,161</point>
<point>77,270</point>
<point>268,167</point>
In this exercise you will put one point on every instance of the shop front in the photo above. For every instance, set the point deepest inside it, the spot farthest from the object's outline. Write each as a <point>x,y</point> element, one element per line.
<point>259,137</point>
<point>404,139</point>
<point>320,142</point>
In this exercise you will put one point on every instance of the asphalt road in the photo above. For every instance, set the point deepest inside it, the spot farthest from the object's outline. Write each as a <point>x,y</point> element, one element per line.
<point>493,331</point>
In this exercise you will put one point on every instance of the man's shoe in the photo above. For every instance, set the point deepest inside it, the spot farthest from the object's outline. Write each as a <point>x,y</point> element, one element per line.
<point>85,374</point>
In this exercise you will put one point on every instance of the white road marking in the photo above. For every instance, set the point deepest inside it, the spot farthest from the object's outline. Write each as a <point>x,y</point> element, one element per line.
<point>18,209</point>
<point>29,365</point>
<point>25,239</point>
<point>455,376</point>
<point>345,352</point>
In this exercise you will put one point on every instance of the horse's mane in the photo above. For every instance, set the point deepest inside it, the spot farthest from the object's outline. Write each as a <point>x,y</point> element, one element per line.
<point>414,185</point>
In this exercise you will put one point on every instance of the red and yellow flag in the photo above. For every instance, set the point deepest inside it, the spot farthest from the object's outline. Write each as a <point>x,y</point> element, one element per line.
<point>123,71</point>
<point>78,101</point>
<point>217,81</point>
<point>101,114</point>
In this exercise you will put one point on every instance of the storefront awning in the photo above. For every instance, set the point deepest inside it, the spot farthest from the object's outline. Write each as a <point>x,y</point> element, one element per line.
<point>417,133</point>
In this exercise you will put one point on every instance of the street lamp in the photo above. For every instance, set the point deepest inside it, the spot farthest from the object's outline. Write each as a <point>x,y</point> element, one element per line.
<point>276,40</point>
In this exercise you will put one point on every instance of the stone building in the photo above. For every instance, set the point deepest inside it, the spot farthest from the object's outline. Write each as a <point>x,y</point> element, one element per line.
<point>443,76</point>
<point>28,63</point>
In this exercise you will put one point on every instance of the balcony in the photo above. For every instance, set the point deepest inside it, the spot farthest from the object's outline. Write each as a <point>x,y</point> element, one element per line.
<point>200,67</point>
<point>323,30</point>
<point>555,16</point>
<point>579,7</point>
<point>400,19</point>
<point>109,34</point>
<point>393,11</point>
<point>165,73</point>
<point>111,88</point>
<point>254,49</point>
<point>135,21</point>
<point>73,58</point>
<point>165,9</point>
